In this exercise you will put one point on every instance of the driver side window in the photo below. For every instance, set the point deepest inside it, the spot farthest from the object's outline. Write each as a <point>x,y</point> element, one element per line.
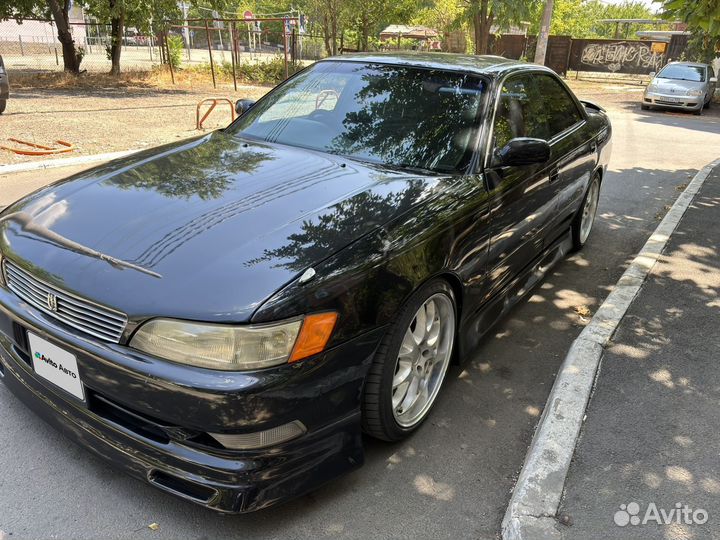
<point>518,113</point>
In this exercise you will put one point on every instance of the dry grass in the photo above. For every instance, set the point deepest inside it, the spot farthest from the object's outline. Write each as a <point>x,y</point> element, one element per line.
<point>158,78</point>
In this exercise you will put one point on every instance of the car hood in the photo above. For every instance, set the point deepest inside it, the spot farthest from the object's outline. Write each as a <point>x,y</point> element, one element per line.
<point>675,86</point>
<point>205,229</point>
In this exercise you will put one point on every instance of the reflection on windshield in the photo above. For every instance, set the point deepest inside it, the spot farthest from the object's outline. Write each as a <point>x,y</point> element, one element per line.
<point>394,115</point>
<point>683,73</point>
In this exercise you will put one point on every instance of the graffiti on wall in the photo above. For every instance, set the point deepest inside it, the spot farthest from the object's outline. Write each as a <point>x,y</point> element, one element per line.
<point>620,57</point>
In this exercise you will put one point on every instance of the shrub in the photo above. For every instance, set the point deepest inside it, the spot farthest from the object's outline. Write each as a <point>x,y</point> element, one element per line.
<point>175,49</point>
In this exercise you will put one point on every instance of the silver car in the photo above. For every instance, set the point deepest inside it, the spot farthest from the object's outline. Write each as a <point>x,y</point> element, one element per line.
<point>681,85</point>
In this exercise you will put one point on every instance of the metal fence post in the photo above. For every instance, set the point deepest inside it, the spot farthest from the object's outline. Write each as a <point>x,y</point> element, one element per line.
<point>22,52</point>
<point>232,53</point>
<point>212,65</point>
<point>285,50</point>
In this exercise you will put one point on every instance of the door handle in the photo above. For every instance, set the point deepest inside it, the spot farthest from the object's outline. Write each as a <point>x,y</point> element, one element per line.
<point>554,175</point>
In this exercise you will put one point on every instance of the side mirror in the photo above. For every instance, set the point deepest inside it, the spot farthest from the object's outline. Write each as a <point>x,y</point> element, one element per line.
<point>523,151</point>
<point>243,105</point>
<point>713,79</point>
<point>652,74</point>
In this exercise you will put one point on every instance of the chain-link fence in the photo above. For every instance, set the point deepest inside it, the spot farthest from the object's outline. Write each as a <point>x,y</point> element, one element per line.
<point>262,50</point>
<point>33,46</point>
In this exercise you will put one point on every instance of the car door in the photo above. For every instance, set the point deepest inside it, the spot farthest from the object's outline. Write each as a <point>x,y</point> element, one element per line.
<point>523,205</point>
<point>572,150</point>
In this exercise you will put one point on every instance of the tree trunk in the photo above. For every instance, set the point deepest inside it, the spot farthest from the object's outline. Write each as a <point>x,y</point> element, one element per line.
<point>482,23</point>
<point>117,29</point>
<point>326,35</point>
<point>71,58</point>
<point>333,30</point>
<point>544,33</point>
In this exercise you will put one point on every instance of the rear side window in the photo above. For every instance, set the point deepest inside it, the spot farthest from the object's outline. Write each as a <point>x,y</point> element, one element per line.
<point>533,105</point>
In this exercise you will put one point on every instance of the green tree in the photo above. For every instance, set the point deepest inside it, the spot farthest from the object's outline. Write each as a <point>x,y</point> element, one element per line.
<point>703,20</point>
<point>580,18</point>
<point>60,12</point>
<point>441,15</point>
<point>484,14</point>
<point>123,13</point>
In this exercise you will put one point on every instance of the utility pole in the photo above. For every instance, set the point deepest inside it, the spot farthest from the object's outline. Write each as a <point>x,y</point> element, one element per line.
<point>541,47</point>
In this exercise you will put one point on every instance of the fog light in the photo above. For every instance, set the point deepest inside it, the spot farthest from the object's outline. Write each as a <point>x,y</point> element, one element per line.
<point>260,439</point>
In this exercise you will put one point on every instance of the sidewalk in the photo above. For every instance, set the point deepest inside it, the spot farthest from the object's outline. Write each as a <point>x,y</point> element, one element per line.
<point>652,432</point>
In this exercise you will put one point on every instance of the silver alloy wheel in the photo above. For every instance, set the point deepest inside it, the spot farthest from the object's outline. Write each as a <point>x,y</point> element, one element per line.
<point>589,210</point>
<point>423,360</point>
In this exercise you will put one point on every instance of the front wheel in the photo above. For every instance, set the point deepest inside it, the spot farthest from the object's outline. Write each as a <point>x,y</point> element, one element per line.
<point>3,104</point>
<point>585,218</point>
<point>410,364</point>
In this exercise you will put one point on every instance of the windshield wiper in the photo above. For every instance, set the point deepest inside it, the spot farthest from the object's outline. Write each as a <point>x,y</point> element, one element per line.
<point>25,221</point>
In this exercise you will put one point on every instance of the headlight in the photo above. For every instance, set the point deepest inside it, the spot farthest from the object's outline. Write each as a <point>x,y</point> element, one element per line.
<point>2,272</point>
<point>695,92</point>
<point>235,348</point>
<point>652,87</point>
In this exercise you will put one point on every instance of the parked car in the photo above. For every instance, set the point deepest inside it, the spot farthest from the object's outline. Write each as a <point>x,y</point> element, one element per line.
<point>681,85</point>
<point>4,86</point>
<point>223,317</point>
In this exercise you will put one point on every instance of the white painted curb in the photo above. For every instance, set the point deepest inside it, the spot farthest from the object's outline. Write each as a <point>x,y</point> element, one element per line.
<point>531,513</point>
<point>63,162</point>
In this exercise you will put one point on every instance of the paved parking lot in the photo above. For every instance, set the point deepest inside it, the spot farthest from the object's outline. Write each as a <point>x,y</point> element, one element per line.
<point>453,477</point>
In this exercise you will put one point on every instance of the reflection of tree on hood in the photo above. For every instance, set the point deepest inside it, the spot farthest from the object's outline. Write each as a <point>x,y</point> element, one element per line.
<point>343,223</point>
<point>411,117</point>
<point>205,171</point>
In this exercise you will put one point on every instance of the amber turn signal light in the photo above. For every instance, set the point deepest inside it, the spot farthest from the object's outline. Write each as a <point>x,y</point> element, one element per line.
<point>314,335</point>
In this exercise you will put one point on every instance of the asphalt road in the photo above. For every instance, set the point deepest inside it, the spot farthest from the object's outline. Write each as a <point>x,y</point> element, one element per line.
<point>453,477</point>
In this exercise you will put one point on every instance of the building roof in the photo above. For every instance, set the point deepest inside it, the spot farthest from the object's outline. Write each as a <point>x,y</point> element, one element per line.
<point>412,32</point>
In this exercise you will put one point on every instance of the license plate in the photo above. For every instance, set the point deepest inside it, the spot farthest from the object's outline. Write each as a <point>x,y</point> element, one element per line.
<point>56,365</point>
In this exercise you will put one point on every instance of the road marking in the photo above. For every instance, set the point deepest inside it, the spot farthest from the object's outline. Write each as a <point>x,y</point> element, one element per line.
<point>531,513</point>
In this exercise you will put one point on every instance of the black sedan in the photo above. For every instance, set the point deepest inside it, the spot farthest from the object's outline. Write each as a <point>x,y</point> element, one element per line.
<point>224,317</point>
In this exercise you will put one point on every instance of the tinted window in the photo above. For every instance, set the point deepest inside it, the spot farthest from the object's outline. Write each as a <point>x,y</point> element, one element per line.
<point>683,73</point>
<point>558,107</point>
<point>533,105</point>
<point>395,115</point>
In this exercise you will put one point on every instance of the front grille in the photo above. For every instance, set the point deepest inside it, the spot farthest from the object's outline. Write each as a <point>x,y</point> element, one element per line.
<point>81,314</point>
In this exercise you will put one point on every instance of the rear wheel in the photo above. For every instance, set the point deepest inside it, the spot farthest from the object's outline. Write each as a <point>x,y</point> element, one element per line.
<point>585,218</point>
<point>3,104</point>
<point>410,364</point>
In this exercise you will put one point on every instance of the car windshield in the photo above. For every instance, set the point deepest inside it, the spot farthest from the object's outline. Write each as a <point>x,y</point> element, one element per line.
<point>683,73</point>
<point>399,116</point>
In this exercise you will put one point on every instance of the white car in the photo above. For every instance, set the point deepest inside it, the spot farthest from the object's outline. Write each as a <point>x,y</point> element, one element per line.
<point>681,85</point>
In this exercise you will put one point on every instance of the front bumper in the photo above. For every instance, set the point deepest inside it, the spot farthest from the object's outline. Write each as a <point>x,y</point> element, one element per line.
<point>689,103</point>
<point>151,418</point>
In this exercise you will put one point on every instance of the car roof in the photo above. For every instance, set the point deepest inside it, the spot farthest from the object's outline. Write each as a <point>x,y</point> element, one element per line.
<point>481,64</point>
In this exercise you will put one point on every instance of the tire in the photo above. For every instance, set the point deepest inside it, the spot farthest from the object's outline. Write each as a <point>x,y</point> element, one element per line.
<point>707,105</point>
<point>645,107</point>
<point>580,234</point>
<point>698,112</point>
<point>388,413</point>
<point>3,104</point>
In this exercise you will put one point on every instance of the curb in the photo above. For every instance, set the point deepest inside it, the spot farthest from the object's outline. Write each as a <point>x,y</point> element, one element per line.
<point>531,513</point>
<point>63,162</point>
